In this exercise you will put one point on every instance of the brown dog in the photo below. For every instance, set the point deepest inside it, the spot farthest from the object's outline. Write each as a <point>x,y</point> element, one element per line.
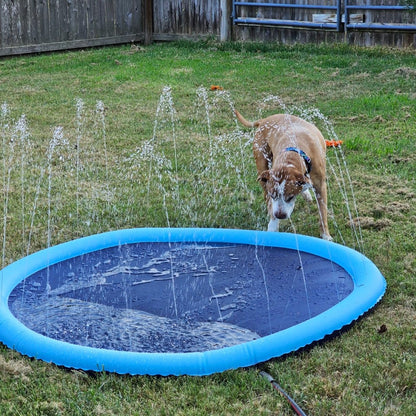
<point>290,160</point>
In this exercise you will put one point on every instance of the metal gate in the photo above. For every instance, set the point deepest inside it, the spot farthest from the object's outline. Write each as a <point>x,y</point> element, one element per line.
<point>336,15</point>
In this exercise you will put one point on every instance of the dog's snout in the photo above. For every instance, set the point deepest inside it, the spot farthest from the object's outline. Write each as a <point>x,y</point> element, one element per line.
<point>280,215</point>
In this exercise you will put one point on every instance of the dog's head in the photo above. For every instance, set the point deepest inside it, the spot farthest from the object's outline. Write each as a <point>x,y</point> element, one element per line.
<point>282,187</point>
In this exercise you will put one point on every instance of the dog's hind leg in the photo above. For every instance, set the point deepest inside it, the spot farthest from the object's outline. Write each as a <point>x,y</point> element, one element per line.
<point>321,197</point>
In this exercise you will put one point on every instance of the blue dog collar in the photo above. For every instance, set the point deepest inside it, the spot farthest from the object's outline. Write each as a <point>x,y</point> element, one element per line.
<point>305,157</point>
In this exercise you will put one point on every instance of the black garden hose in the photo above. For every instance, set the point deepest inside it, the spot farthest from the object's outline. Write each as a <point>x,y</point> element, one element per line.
<point>295,407</point>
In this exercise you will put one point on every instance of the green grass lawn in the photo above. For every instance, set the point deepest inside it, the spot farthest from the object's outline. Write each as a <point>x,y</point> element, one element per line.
<point>158,156</point>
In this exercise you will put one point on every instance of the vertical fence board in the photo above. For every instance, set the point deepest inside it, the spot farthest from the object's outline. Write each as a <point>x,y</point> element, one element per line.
<point>32,32</point>
<point>4,16</point>
<point>23,21</point>
<point>54,20</point>
<point>72,19</point>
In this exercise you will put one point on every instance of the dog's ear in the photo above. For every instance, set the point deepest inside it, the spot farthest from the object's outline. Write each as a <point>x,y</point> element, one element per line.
<point>304,182</point>
<point>264,176</point>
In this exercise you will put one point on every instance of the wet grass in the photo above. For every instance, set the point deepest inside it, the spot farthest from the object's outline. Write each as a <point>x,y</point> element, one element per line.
<point>369,97</point>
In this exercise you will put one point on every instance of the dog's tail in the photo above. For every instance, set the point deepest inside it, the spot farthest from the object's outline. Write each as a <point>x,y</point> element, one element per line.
<point>245,122</point>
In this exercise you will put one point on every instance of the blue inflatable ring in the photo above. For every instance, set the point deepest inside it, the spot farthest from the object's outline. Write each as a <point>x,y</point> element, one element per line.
<point>368,286</point>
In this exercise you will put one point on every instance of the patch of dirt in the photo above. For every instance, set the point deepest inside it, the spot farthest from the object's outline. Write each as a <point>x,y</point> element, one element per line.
<point>397,160</point>
<point>384,189</point>
<point>394,208</point>
<point>406,72</point>
<point>371,223</point>
<point>409,262</point>
<point>379,119</point>
<point>407,193</point>
<point>133,50</point>
<point>50,407</point>
<point>15,368</point>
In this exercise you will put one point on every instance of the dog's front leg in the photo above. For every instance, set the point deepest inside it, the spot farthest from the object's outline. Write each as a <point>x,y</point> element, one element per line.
<point>273,225</point>
<point>274,222</point>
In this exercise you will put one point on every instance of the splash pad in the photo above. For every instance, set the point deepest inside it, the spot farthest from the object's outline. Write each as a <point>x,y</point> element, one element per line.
<point>168,300</point>
<point>181,301</point>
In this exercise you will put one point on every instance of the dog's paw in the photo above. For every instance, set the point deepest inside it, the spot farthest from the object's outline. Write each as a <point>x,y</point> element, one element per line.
<point>307,195</point>
<point>327,237</point>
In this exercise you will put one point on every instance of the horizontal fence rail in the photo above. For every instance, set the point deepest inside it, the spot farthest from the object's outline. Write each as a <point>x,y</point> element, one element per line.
<point>374,25</point>
<point>342,18</point>
<point>239,19</point>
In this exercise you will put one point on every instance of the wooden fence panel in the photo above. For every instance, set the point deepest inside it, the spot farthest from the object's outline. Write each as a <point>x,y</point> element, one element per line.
<point>41,25</point>
<point>185,18</point>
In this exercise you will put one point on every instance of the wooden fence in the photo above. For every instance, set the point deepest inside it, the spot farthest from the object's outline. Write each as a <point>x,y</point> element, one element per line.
<point>186,18</point>
<point>28,26</point>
